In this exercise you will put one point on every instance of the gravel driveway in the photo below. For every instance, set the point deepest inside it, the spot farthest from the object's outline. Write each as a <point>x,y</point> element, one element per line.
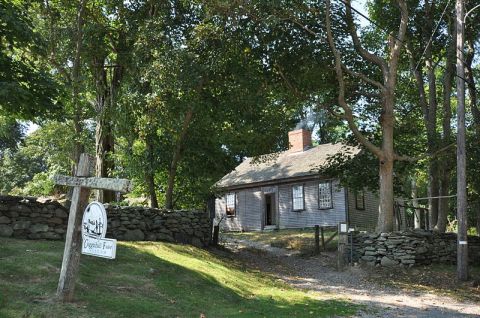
<point>318,274</point>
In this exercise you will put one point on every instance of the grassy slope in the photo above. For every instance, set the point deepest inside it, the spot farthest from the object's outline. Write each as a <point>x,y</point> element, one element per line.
<point>148,280</point>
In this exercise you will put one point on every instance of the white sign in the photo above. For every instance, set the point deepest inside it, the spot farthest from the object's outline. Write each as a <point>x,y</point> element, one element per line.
<point>100,247</point>
<point>94,222</point>
<point>343,228</point>
<point>462,242</point>
<point>94,228</point>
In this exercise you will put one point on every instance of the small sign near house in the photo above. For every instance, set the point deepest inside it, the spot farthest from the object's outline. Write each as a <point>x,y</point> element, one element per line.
<point>94,229</point>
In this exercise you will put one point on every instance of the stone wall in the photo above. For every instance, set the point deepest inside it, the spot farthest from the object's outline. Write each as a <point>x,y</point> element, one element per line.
<point>28,218</point>
<point>409,248</point>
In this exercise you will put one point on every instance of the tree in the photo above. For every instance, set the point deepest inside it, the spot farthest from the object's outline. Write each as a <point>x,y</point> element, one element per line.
<point>26,90</point>
<point>28,168</point>
<point>432,38</point>
<point>388,67</point>
<point>62,25</point>
<point>11,133</point>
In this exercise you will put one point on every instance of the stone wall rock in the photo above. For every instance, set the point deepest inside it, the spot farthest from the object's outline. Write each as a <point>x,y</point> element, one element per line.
<point>28,218</point>
<point>408,248</point>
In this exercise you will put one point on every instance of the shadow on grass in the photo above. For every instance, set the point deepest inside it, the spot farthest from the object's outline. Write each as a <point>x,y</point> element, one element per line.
<point>167,289</point>
<point>141,283</point>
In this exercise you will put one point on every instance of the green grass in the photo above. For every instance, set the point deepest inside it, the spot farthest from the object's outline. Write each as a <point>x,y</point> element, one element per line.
<point>149,279</point>
<point>302,240</point>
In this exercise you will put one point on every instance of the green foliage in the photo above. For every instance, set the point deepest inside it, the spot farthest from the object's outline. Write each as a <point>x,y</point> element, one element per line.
<point>17,168</point>
<point>40,185</point>
<point>11,133</point>
<point>26,90</point>
<point>45,152</point>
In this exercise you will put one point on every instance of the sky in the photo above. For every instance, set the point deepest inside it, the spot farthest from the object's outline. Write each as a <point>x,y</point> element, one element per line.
<point>360,5</point>
<point>31,127</point>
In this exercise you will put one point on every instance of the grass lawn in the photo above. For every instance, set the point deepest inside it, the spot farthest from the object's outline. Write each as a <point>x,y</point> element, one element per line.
<point>302,240</point>
<point>149,279</point>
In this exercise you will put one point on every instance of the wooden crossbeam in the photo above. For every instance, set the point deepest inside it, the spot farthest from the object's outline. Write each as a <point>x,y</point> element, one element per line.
<point>330,238</point>
<point>118,185</point>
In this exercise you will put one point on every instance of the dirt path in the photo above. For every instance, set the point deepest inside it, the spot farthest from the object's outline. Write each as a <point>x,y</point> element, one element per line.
<point>317,273</point>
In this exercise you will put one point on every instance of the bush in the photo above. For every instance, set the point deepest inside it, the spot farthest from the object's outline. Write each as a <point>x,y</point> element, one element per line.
<point>40,185</point>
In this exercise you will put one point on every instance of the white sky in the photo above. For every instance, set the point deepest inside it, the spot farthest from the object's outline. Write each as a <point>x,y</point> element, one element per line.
<point>360,5</point>
<point>31,127</point>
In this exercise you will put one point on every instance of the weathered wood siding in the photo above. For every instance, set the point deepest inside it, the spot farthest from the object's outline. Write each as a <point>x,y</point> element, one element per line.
<point>311,215</point>
<point>363,219</point>
<point>249,211</point>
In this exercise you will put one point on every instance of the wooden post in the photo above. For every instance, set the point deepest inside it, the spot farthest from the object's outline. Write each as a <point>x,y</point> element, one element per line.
<point>342,242</point>
<point>462,247</point>
<point>323,238</point>
<point>317,240</point>
<point>73,240</point>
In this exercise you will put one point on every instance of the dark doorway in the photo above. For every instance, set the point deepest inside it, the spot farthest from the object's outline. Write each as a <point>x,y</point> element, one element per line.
<point>270,209</point>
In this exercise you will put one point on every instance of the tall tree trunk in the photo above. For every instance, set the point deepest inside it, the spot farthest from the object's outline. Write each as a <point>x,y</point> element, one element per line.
<point>432,192</point>
<point>446,165</point>
<point>429,109</point>
<point>477,209</point>
<point>78,147</point>
<point>385,215</point>
<point>150,173</point>
<point>103,134</point>
<point>388,67</point>
<point>472,91</point>
<point>443,207</point>
<point>431,120</point>
<point>176,159</point>
<point>104,142</point>
<point>106,87</point>
<point>418,212</point>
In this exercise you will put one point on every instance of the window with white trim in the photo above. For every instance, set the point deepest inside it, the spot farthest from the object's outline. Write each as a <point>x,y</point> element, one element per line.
<point>297,197</point>
<point>325,195</point>
<point>360,200</point>
<point>230,204</point>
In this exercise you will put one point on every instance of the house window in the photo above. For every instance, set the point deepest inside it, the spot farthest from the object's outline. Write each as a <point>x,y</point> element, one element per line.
<point>231,206</point>
<point>360,200</point>
<point>297,196</point>
<point>325,195</point>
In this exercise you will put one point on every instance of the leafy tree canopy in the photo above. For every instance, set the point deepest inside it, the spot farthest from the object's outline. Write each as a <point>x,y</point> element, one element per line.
<point>26,89</point>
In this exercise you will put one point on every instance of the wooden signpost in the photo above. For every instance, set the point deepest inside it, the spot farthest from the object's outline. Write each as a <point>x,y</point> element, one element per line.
<point>82,184</point>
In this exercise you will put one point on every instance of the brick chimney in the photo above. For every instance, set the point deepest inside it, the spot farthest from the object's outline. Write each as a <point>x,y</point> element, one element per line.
<point>299,140</point>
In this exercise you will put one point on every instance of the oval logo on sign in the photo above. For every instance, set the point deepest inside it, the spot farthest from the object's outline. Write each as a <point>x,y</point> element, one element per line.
<point>94,221</point>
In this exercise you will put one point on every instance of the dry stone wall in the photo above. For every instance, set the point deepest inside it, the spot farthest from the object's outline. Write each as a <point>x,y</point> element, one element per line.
<point>28,218</point>
<point>409,248</point>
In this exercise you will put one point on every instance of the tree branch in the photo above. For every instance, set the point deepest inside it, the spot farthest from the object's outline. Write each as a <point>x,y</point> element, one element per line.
<point>287,82</point>
<point>348,115</point>
<point>425,155</point>
<point>396,44</point>
<point>358,46</point>
<point>363,77</point>
<point>419,80</point>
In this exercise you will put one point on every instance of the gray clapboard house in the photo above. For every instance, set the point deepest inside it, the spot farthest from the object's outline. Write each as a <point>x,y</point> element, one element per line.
<point>285,190</point>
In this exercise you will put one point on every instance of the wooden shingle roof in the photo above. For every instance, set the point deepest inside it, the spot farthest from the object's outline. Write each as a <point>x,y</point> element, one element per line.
<point>283,165</point>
